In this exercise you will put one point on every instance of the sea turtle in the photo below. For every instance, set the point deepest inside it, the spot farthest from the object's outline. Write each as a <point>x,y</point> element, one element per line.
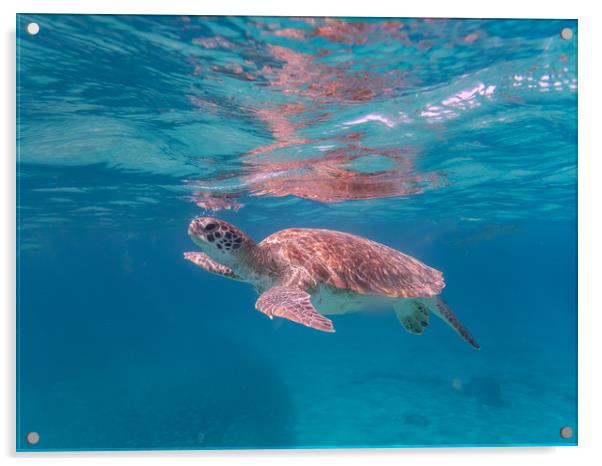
<point>303,274</point>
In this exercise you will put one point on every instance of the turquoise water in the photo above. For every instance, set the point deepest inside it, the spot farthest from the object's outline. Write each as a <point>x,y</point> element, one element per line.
<point>454,141</point>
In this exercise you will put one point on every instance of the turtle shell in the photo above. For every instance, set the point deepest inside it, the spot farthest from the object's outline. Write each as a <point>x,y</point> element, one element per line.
<point>354,263</point>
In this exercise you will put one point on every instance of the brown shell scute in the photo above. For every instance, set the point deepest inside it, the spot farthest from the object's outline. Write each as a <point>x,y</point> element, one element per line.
<point>354,263</point>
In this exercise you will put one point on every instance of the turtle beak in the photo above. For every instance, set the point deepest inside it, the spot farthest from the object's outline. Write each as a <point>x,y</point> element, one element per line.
<point>195,229</point>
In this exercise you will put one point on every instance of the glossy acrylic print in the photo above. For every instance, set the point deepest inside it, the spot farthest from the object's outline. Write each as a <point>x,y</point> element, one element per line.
<point>255,232</point>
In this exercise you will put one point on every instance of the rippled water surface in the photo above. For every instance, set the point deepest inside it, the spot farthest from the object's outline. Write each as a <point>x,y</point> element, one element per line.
<point>454,141</point>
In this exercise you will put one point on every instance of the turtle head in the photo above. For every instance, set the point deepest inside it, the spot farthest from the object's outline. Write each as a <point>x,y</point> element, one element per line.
<point>219,239</point>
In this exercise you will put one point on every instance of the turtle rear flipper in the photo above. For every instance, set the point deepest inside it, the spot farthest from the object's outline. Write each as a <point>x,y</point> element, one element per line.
<point>443,311</point>
<point>413,315</point>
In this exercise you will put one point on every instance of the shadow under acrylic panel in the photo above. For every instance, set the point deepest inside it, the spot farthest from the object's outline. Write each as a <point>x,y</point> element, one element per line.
<point>255,232</point>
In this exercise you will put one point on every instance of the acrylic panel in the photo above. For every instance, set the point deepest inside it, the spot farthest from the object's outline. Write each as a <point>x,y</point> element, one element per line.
<point>270,232</point>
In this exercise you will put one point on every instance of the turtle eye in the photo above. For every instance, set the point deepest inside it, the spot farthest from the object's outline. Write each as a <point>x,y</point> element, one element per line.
<point>210,227</point>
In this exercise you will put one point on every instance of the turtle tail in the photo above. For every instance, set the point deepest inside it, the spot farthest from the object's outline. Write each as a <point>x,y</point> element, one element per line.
<point>443,311</point>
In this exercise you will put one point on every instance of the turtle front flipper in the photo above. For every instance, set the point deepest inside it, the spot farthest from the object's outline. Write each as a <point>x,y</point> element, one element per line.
<point>292,304</point>
<point>205,262</point>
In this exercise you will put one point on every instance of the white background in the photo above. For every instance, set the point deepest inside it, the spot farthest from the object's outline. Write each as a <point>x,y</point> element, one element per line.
<point>590,234</point>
